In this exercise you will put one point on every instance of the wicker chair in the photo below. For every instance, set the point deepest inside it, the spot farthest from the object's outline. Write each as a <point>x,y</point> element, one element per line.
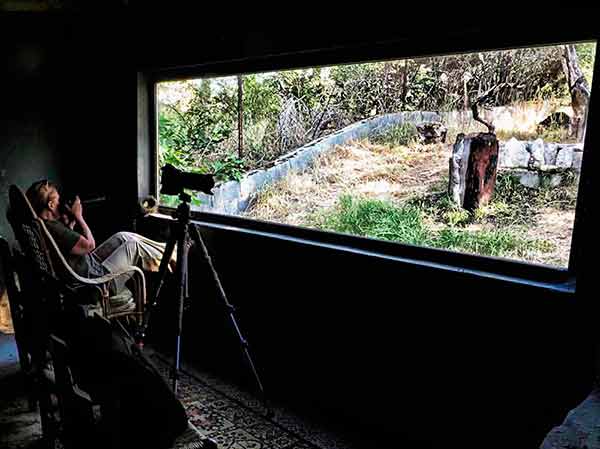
<point>20,313</point>
<point>49,264</point>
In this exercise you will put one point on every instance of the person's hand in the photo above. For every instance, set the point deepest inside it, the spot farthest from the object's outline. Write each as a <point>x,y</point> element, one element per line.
<point>76,209</point>
<point>68,220</point>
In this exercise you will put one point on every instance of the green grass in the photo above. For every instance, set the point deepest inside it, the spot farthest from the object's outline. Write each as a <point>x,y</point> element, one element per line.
<point>396,135</point>
<point>406,224</point>
<point>377,219</point>
<point>489,243</point>
<point>512,204</point>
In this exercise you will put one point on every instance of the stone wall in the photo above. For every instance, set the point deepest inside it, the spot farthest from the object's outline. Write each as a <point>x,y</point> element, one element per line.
<point>521,117</point>
<point>533,162</point>
<point>233,197</point>
<point>536,162</point>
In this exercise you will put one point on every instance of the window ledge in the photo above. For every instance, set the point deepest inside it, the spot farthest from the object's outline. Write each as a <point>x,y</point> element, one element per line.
<point>534,275</point>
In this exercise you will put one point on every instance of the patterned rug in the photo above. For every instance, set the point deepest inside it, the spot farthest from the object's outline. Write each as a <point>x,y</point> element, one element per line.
<point>237,420</point>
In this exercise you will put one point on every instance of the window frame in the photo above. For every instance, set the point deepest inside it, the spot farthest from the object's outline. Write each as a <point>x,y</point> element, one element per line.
<point>556,278</point>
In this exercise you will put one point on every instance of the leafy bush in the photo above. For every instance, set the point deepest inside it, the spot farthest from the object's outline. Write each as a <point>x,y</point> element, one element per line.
<point>198,123</point>
<point>228,168</point>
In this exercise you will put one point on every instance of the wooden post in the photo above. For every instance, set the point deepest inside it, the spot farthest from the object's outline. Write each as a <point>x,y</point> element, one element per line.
<point>474,161</point>
<point>473,168</point>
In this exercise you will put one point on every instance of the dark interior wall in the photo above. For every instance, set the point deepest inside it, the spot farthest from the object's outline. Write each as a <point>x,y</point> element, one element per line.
<point>388,347</point>
<point>68,113</point>
<point>99,134</point>
<point>404,353</point>
<point>29,113</point>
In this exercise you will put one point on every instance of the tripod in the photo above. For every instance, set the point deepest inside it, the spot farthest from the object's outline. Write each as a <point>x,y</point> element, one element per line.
<point>181,231</point>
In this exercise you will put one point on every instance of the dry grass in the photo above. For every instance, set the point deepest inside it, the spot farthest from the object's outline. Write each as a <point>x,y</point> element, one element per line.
<point>403,174</point>
<point>556,227</point>
<point>554,134</point>
<point>372,171</point>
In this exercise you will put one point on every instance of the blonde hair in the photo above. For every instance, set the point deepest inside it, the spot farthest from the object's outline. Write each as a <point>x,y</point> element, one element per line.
<point>38,194</point>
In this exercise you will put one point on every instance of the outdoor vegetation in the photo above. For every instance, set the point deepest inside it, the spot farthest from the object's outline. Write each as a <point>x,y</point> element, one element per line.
<point>389,185</point>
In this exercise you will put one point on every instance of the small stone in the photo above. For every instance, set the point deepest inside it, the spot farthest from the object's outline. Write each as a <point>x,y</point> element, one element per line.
<point>564,158</point>
<point>555,180</point>
<point>530,179</point>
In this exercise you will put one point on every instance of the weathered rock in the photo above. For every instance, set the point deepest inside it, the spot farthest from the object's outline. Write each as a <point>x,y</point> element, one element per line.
<point>473,167</point>
<point>550,169</point>
<point>432,132</point>
<point>577,160</point>
<point>536,151</point>
<point>514,154</point>
<point>529,179</point>
<point>555,180</point>
<point>564,157</point>
<point>580,429</point>
<point>550,150</point>
<point>556,119</point>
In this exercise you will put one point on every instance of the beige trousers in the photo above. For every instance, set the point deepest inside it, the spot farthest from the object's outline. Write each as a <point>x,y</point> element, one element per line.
<point>125,249</point>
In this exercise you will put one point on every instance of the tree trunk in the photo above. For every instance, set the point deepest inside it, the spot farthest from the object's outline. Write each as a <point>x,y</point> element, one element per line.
<point>579,90</point>
<point>240,116</point>
<point>473,168</point>
<point>404,84</point>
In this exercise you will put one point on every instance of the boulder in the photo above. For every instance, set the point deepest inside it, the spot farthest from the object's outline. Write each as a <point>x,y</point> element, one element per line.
<point>555,180</point>
<point>529,179</point>
<point>514,154</point>
<point>557,119</point>
<point>564,157</point>
<point>432,132</point>
<point>550,150</point>
<point>536,151</point>
<point>577,159</point>
<point>580,429</point>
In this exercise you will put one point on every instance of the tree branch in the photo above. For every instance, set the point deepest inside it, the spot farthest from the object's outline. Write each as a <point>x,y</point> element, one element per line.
<point>476,117</point>
<point>483,97</point>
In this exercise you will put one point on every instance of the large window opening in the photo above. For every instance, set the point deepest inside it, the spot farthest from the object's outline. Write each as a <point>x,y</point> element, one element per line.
<point>478,153</point>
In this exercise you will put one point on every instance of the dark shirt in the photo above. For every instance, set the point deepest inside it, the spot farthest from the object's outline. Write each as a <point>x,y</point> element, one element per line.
<point>66,238</point>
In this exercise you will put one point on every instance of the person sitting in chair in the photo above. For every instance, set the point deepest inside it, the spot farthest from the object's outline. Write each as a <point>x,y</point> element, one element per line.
<point>121,250</point>
<point>138,409</point>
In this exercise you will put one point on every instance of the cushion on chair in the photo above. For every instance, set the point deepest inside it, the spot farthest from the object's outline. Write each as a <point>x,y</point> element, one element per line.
<point>122,302</point>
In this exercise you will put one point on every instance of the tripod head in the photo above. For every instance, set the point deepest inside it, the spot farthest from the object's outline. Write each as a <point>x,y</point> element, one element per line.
<point>182,213</point>
<point>185,197</point>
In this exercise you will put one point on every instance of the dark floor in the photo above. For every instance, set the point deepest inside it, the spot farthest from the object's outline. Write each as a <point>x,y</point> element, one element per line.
<point>234,418</point>
<point>237,419</point>
<point>19,428</point>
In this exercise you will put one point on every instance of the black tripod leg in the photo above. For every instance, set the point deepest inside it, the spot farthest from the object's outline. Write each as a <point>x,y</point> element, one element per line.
<point>162,274</point>
<point>164,263</point>
<point>182,270</point>
<point>197,238</point>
